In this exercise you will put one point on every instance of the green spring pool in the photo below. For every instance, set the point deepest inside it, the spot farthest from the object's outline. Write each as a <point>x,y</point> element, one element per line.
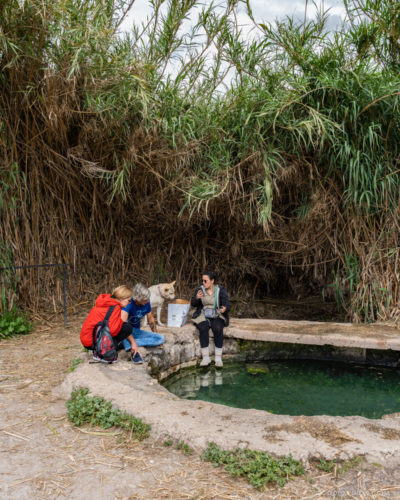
<point>295,387</point>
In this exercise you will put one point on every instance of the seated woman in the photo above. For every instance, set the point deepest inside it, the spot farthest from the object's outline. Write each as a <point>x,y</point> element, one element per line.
<point>212,307</point>
<point>137,308</point>
<point>119,329</point>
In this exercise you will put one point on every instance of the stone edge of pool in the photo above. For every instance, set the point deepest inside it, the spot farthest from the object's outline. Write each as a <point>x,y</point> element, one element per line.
<point>197,423</point>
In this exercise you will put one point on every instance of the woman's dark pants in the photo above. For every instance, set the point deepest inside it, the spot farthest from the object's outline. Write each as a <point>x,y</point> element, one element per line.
<point>217,326</point>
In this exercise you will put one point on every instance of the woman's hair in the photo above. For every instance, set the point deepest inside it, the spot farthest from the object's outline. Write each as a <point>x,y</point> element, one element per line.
<point>210,274</point>
<point>140,293</point>
<point>122,292</point>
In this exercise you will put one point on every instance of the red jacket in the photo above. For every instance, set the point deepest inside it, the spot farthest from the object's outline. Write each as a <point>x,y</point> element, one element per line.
<point>103,302</point>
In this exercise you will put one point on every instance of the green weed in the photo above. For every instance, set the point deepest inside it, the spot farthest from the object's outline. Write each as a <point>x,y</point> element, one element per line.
<point>74,364</point>
<point>258,467</point>
<point>349,464</point>
<point>14,323</point>
<point>342,467</point>
<point>168,442</point>
<point>326,465</point>
<point>187,450</point>
<point>94,410</point>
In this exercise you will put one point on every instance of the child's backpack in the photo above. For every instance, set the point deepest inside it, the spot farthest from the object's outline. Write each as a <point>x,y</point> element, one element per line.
<point>103,344</point>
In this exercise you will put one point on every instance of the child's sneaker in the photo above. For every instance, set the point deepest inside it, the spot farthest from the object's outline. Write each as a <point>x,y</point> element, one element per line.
<point>137,359</point>
<point>101,360</point>
<point>98,359</point>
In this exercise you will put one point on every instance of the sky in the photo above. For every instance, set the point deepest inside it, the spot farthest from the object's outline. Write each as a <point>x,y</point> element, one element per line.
<point>269,10</point>
<point>264,11</point>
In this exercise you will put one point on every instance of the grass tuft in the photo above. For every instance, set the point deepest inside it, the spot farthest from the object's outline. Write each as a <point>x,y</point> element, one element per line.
<point>96,411</point>
<point>14,323</point>
<point>258,467</point>
<point>74,363</point>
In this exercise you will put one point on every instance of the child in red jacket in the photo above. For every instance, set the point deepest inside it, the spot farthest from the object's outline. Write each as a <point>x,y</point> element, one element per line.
<point>119,330</point>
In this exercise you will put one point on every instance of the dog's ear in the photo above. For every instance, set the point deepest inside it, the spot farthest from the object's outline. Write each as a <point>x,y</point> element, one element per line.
<point>173,283</point>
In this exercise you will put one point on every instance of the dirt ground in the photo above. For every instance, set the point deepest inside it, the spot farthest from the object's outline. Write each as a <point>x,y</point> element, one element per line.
<point>42,455</point>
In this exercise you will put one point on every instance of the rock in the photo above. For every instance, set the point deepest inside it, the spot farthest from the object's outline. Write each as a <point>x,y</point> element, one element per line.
<point>256,369</point>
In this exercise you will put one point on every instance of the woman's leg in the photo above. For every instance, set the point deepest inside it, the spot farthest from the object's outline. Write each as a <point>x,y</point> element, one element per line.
<point>217,327</point>
<point>204,328</point>
<point>121,337</point>
<point>147,339</point>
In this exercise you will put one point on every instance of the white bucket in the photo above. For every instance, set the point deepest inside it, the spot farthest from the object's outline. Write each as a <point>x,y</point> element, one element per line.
<point>178,314</point>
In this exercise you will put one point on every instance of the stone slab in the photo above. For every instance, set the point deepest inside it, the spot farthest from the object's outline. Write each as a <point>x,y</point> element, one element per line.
<point>374,336</point>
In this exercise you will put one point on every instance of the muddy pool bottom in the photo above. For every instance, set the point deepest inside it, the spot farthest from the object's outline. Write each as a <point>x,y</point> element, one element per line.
<point>294,387</point>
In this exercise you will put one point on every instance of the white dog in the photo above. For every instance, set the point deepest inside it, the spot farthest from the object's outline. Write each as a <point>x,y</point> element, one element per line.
<point>158,293</point>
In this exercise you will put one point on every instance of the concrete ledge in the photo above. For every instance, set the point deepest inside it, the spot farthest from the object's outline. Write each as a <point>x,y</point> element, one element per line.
<point>374,336</point>
<point>197,423</point>
<point>371,344</point>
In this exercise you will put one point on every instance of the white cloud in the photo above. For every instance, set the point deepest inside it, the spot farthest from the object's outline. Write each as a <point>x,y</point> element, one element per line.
<point>138,14</point>
<point>265,11</point>
<point>269,11</point>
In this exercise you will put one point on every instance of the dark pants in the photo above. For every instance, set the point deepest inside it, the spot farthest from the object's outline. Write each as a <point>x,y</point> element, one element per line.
<point>126,330</point>
<point>217,327</point>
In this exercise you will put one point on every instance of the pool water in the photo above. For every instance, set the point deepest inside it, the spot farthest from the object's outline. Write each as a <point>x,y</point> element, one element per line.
<point>295,387</point>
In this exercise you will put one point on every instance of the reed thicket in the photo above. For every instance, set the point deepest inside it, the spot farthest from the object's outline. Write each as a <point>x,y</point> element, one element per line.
<point>149,156</point>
